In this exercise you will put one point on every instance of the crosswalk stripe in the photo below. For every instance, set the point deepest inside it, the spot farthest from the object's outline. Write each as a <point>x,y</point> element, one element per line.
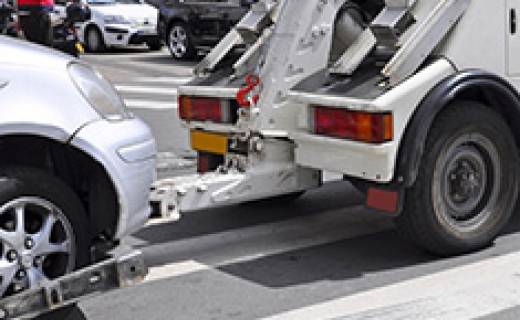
<point>250,243</point>
<point>150,104</point>
<point>146,90</point>
<point>477,282</point>
<point>175,270</point>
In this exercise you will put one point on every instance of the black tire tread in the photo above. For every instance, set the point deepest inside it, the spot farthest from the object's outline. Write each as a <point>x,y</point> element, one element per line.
<point>413,224</point>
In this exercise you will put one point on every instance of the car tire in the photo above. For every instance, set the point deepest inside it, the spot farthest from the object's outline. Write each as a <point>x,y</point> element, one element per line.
<point>179,40</point>
<point>467,185</point>
<point>154,45</point>
<point>54,238</point>
<point>94,40</point>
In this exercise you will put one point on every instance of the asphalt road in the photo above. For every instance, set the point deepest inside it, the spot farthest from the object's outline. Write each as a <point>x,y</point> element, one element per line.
<point>322,256</point>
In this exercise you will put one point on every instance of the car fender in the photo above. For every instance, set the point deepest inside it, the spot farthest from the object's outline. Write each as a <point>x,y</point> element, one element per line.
<point>42,102</point>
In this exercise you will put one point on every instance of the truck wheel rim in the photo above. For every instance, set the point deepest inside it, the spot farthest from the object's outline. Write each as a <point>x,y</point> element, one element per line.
<point>466,183</point>
<point>178,41</point>
<point>37,244</point>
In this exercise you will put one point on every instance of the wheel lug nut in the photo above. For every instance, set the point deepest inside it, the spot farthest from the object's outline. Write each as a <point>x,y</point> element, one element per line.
<point>38,261</point>
<point>21,274</point>
<point>29,243</point>
<point>12,255</point>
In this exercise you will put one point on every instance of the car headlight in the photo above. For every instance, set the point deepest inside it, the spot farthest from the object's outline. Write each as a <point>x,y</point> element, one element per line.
<point>112,19</point>
<point>98,92</point>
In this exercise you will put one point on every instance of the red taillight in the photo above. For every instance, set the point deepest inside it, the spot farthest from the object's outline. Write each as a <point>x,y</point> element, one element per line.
<point>354,125</point>
<point>200,109</point>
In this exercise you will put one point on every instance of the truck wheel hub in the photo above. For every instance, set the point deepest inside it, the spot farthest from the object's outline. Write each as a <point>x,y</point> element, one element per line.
<point>467,180</point>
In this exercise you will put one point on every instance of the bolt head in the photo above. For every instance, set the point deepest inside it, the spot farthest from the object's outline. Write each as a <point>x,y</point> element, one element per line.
<point>12,255</point>
<point>38,262</point>
<point>29,243</point>
<point>21,274</point>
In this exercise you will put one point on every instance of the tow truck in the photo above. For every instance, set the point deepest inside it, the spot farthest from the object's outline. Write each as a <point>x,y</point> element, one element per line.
<point>413,101</point>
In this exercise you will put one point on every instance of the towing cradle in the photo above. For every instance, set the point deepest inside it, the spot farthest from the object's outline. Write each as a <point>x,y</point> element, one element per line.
<point>114,273</point>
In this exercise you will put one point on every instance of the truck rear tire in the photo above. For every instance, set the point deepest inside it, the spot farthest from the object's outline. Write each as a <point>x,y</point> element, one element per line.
<point>467,185</point>
<point>44,231</point>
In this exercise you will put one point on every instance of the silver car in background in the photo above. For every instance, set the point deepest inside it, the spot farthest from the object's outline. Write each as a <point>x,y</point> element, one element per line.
<point>75,166</point>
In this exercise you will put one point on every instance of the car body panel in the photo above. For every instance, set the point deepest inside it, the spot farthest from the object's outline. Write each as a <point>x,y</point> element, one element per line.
<point>54,109</point>
<point>210,20</point>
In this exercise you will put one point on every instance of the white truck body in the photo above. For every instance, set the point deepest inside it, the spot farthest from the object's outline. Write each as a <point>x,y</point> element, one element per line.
<point>404,64</point>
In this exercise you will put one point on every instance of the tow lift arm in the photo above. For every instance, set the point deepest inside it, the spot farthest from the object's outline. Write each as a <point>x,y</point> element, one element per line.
<point>114,273</point>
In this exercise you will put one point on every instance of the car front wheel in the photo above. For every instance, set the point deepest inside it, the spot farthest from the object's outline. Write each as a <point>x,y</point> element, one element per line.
<point>43,229</point>
<point>94,40</point>
<point>179,41</point>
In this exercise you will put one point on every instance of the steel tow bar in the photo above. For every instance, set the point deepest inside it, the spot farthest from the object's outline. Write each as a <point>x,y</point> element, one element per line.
<point>114,273</point>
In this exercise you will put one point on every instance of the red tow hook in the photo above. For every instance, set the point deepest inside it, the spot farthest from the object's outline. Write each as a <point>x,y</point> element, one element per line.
<point>244,97</point>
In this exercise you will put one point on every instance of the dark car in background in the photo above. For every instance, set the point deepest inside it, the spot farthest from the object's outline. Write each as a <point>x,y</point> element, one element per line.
<point>191,26</point>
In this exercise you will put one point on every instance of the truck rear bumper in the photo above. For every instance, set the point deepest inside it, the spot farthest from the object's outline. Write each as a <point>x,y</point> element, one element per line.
<point>108,275</point>
<point>361,160</point>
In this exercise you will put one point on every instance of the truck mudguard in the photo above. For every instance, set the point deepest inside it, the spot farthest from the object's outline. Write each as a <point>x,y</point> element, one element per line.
<point>472,84</point>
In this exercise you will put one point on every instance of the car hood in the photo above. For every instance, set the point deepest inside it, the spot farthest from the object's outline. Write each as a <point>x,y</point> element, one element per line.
<point>37,94</point>
<point>126,10</point>
<point>19,52</point>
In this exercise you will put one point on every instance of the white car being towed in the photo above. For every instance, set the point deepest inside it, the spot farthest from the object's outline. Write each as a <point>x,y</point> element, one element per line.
<point>75,165</point>
<point>120,23</point>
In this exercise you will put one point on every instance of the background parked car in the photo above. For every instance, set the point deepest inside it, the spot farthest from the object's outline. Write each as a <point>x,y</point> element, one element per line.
<point>187,26</point>
<point>120,23</point>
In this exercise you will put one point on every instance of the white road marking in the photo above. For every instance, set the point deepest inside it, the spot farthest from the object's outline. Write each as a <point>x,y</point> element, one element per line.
<point>175,270</point>
<point>147,90</point>
<point>150,104</point>
<point>250,243</point>
<point>465,292</point>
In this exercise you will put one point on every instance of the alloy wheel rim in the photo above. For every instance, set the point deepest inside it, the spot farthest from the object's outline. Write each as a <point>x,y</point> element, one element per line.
<point>178,41</point>
<point>37,244</point>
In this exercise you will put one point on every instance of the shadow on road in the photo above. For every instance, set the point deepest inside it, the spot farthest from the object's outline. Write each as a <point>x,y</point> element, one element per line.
<point>370,255</point>
<point>358,258</point>
<point>347,259</point>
